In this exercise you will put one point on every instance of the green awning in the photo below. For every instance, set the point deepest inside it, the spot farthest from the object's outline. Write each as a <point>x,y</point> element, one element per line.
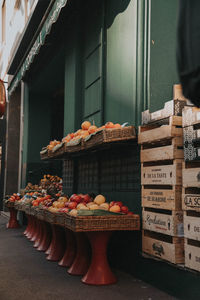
<point>51,19</point>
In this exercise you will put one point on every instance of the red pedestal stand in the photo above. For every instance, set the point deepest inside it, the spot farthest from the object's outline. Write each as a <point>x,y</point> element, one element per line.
<point>35,230</point>
<point>57,247</point>
<point>28,225</point>
<point>32,228</point>
<point>99,272</point>
<point>39,235</point>
<point>46,237</point>
<point>81,262</point>
<point>13,223</point>
<point>70,251</point>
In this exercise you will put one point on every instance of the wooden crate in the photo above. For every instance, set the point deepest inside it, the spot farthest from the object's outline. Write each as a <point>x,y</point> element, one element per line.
<point>163,246</point>
<point>171,108</point>
<point>178,93</point>
<point>191,198</point>
<point>158,196</point>
<point>164,150</point>
<point>191,134</point>
<point>192,254</point>
<point>191,116</point>
<point>162,174</point>
<point>192,225</point>
<point>191,174</point>
<point>191,152</point>
<point>160,130</point>
<point>166,222</point>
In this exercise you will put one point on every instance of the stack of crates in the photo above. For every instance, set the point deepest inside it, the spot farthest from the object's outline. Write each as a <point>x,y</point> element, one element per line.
<point>161,140</point>
<point>191,187</point>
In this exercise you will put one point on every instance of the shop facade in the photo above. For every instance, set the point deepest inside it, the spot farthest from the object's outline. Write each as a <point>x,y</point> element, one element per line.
<point>102,61</point>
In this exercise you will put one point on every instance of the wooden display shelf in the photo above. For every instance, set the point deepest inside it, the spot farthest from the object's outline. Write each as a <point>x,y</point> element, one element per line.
<point>171,108</point>
<point>166,222</point>
<point>169,173</point>
<point>160,130</point>
<point>163,246</point>
<point>166,150</point>
<point>192,254</point>
<point>162,197</point>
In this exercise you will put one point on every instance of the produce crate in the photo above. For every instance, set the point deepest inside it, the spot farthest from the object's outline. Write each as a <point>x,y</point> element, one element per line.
<point>192,225</point>
<point>192,254</point>
<point>160,130</point>
<point>162,197</point>
<point>163,246</point>
<point>191,116</point>
<point>166,222</point>
<point>109,136</point>
<point>49,217</point>
<point>164,150</point>
<point>74,146</point>
<point>60,218</point>
<point>191,134</point>
<point>44,154</point>
<point>191,152</point>
<point>162,173</point>
<point>191,198</point>
<point>103,223</point>
<point>191,174</point>
<point>171,108</point>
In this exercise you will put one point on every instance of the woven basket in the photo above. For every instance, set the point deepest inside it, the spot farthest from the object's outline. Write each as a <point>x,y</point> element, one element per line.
<point>74,146</point>
<point>32,211</point>
<point>49,216</point>
<point>17,205</point>
<point>58,150</point>
<point>103,223</point>
<point>27,209</point>
<point>60,218</point>
<point>44,154</point>
<point>40,213</point>
<point>109,136</point>
<point>9,204</point>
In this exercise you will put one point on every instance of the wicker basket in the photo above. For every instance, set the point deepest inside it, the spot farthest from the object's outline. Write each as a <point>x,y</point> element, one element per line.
<point>9,204</point>
<point>27,209</point>
<point>109,136</point>
<point>103,223</point>
<point>17,205</point>
<point>40,213</point>
<point>74,146</point>
<point>32,211</point>
<point>60,218</point>
<point>58,150</point>
<point>44,154</point>
<point>49,216</point>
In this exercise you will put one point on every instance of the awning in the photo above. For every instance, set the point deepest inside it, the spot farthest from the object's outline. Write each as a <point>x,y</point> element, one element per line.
<point>51,19</point>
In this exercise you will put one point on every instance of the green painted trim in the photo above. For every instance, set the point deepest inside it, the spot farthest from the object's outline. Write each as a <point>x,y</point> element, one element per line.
<point>40,40</point>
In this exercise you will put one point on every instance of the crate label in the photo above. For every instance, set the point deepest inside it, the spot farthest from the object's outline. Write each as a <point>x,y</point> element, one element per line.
<point>158,249</point>
<point>156,114</point>
<point>159,196</point>
<point>198,116</point>
<point>161,175</point>
<point>192,200</point>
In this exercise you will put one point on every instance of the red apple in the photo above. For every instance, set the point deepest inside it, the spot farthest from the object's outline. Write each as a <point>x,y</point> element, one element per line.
<point>130,213</point>
<point>112,203</point>
<point>77,198</point>
<point>86,198</point>
<point>72,197</point>
<point>72,205</point>
<point>119,203</point>
<point>124,209</point>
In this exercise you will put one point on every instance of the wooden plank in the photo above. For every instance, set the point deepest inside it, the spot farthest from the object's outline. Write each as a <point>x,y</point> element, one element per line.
<point>191,177</point>
<point>170,224</point>
<point>191,199</point>
<point>192,255</point>
<point>191,115</point>
<point>157,134</point>
<point>162,174</point>
<point>163,153</point>
<point>162,198</point>
<point>171,108</point>
<point>172,251</point>
<point>192,226</point>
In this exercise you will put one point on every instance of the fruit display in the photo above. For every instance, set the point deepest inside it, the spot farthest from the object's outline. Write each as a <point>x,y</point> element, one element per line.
<point>14,197</point>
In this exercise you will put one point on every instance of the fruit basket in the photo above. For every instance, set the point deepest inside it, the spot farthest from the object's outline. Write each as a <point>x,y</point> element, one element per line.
<point>40,213</point>
<point>58,150</point>
<point>32,211</point>
<point>27,209</point>
<point>18,205</point>
<point>74,146</point>
<point>9,203</point>
<point>110,135</point>
<point>49,217</point>
<point>103,223</point>
<point>60,218</point>
<point>44,153</point>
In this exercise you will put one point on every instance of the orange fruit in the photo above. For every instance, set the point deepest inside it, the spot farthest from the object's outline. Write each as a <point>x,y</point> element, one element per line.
<point>92,129</point>
<point>117,125</point>
<point>85,125</point>
<point>109,125</point>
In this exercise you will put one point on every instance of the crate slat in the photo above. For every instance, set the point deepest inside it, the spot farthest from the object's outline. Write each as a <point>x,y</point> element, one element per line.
<point>170,224</point>
<point>191,174</point>
<point>155,244</point>
<point>191,199</point>
<point>191,116</point>
<point>192,255</point>
<point>192,225</point>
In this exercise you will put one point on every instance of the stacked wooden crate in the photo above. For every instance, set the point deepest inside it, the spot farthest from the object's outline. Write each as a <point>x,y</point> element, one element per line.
<point>161,139</point>
<point>191,187</point>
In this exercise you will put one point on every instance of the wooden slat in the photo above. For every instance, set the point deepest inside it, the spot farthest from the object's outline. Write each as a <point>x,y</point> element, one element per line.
<point>162,174</point>
<point>170,224</point>
<point>191,177</point>
<point>192,256</point>
<point>170,251</point>
<point>191,199</point>
<point>192,226</point>
<point>161,198</point>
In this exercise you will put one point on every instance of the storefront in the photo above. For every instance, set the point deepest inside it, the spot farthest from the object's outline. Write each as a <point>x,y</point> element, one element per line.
<point>102,61</point>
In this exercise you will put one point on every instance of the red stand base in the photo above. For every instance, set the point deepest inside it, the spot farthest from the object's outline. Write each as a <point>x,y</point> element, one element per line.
<point>81,262</point>
<point>70,251</point>
<point>35,230</point>
<point>57,247</point>
<point>13,223</point>
<point>39,235</point>
<point>32,228</point>
<point>99,272</point>
<point>28,225</point>
<point>46,237</point>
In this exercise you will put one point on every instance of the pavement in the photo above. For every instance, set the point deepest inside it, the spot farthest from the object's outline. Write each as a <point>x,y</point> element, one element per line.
<point>26,274</point>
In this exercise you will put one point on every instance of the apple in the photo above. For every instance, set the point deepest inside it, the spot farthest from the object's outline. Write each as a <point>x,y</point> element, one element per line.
<point>99,199</point>
<point>72,205</point>
<point>86,198</point>
<point>130,213</point>
<point>115,208</point>
<point>124,209</point>
<point>119,203</point>
<point>112,203</point>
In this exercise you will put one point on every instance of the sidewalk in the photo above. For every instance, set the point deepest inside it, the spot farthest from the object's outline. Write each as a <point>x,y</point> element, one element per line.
<point>26,274</point>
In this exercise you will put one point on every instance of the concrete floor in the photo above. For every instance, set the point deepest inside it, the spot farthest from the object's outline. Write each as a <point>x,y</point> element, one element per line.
<point>26,274</point>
